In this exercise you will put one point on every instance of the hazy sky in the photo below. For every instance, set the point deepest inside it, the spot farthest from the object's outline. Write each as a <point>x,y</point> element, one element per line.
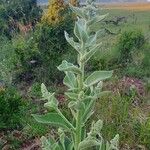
<point>45,1</point>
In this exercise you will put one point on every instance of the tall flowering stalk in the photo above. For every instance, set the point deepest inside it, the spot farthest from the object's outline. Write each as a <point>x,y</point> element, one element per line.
<point>83,90</point>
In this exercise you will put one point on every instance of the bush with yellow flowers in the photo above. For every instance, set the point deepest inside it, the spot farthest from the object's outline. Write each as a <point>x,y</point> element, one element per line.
<point>55,12</point>
<point>74,2</point>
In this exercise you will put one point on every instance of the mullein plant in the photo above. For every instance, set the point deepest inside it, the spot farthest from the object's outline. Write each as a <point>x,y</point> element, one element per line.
<point>83,90</point>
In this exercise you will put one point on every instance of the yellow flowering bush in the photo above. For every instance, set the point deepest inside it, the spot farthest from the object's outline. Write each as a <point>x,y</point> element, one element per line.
<point>54,13</point>
<point>57,11</point>
<point>74,2</point>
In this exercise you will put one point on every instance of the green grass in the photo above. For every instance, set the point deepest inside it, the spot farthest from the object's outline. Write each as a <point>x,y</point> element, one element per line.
<point>135,19</point>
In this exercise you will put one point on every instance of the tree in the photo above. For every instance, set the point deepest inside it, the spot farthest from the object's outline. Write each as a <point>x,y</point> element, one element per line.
<point>23,11</point>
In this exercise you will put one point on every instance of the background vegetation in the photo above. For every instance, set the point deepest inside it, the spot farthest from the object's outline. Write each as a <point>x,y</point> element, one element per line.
<point>32,45</point>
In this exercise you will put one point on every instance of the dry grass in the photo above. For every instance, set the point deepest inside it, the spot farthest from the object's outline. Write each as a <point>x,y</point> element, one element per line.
<point>129,6</point>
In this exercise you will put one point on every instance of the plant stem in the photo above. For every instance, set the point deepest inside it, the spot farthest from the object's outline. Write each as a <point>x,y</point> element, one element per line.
<point>60,113</point>
<point>81,77</point>
<point>78,131</point>
<point>79,113</point>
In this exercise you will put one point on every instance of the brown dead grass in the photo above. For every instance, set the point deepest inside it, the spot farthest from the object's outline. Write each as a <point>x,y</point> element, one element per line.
<point>129,6</point>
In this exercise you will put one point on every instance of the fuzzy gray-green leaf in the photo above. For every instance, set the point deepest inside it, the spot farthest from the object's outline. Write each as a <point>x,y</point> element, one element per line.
<point>80,30</point>
<point>70,80</point>
<point>91,40</point>
<point>88,111</point>
<point>114,143</point>
<point>45,94</point>
<point>88,143</point>
<point>65,66</point>
<point>74,44</point>
<point>52,103</point>
<point>96,19</point>
<point>89,54</point>
<point>52,118</point>
<point>78,11</point>
<point>72,96</point>
<point>97,76</point>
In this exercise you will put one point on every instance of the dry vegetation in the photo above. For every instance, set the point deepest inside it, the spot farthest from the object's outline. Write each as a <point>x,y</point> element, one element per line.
<point>129,6</point>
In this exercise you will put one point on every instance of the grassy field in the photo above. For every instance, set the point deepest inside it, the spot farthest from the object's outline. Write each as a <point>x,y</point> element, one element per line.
<point>129,6</point>
<point>137,17</point>
<point>134,20</point>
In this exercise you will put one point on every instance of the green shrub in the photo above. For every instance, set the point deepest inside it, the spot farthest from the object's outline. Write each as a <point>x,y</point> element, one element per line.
<point>52,48</point>
<point>128,41</point>
<point>7,58</point>
<point>41,51</point>
<point>11,108</point>
<point>15,12</point>
<point>26,51</point>
<point>139,67</point>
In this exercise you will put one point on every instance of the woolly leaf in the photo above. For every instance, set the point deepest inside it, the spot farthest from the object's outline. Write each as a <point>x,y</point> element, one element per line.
<point>92,140</point>
<point>91,40</point>
<point>72,105</point>
<point>52,118</point>
<point>97,76</point>
<point>65,66</point>
<point>88,143</point>
<point>45,93</point>
<point>96,19</point>
<point>114,143</point>
<point>71,95</point>
<point>89,54</point>
<point>74,44</point>
<point>77,31</point>
<point>80,30</point>
<point>88,115</point>
<point>68,143</point>
<point>61,137</point>
<point>52,104</point>
<point>77,105</point>
<point>97,127</point>
<point>88,111</point>
<point>78,11</point>
<point>70,80</point>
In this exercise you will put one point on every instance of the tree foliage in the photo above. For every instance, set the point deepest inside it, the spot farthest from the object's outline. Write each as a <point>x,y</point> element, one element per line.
<point>14,11</point>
